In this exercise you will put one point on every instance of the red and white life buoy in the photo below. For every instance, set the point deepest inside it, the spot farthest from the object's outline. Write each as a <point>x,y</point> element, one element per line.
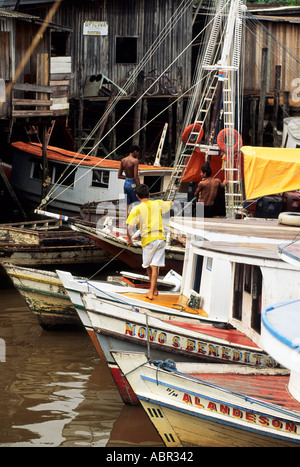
<point>196,128</point>
<point>229,140</point>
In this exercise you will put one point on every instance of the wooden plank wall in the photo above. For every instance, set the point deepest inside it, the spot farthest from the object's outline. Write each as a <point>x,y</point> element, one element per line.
<point>144,19</point>
<point>283,45</point>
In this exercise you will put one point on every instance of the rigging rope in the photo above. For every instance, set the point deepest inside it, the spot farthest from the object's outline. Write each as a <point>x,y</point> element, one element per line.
<point>47,200</point>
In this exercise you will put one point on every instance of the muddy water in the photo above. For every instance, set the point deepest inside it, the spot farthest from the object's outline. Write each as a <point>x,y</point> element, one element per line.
<point>55,391</point>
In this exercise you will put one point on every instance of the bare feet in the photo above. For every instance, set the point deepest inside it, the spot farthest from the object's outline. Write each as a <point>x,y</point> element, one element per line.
<point>150,295</point>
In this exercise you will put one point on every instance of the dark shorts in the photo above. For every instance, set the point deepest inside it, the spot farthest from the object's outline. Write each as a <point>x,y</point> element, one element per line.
<point>129,190</point>
<point>208,211</point>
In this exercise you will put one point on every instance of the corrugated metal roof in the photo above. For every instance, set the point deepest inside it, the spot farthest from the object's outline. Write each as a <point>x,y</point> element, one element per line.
<point>16,15</point>
<point>12,3</point>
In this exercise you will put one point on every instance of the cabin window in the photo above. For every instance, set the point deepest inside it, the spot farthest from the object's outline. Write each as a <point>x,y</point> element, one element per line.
<point>62,175</point>
<point>154,183</point>
<point>126,49</point>
<point>100,178</point>
<point>58,173</point>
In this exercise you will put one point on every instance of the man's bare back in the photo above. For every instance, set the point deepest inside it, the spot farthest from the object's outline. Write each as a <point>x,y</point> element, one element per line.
<point>129,165</point>
<point>208,189</point>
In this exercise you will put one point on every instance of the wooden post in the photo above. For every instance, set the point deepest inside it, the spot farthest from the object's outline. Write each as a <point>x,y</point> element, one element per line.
<point>262,101</point>
<point>11,191</point>
<point>286,104</point>
<point>101,129</point>
<point>276,104</point>
<point>170,131</point>
<point>253,121</point>
<point>138,108</point>
<point>179,109</point>
<point>143,139</point>
<point>45,172</point>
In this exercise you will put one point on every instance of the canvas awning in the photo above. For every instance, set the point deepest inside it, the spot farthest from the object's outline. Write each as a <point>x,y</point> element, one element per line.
<point>193,171</point>
<point>268,171</point>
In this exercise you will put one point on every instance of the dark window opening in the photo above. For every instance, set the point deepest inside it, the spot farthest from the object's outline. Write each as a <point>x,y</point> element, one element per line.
<point>198,274</point>
<point>256,298</point>
<point>238,291</point>
<point>126,50</point>
<point>58,173</point>
<point>100,178</point>
<point>154,183</point>
<point>59,44</point>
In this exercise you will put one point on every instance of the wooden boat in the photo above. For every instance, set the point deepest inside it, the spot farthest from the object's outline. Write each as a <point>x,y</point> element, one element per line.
<point>45,296</point>
<point>113,240</point>
<point>123,328</point>
<point>47,242</point>
<point>224,284</point>
<point>185,402</point>
<point>75,179</point>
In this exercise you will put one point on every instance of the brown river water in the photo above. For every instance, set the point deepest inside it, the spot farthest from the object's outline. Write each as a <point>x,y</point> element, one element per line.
<point>56,391</point>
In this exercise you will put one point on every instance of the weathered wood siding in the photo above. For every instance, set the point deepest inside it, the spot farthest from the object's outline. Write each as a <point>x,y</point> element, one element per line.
<point>283,43</point>
<point>143,19</point>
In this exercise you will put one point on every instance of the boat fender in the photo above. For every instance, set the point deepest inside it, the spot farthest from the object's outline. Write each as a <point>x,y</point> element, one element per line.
<point>195,128</point>
<point>229,139</point>
<point>289,218</point>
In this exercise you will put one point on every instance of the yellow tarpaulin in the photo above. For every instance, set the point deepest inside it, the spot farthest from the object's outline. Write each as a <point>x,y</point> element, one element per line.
<point>268,171</point>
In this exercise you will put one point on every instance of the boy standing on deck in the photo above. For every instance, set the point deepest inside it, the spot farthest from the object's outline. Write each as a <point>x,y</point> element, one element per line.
<point>129,165</point>
<point>148,214</point>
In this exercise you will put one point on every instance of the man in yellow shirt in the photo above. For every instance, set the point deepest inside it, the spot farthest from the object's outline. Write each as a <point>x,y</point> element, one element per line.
<point>148,215</point>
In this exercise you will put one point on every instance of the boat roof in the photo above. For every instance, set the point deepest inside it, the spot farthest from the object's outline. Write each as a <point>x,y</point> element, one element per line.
<point>283,321</point>
<point>290,252</point>
<point>256,230</point>
<point>70,157</point>
<point>239,252</point>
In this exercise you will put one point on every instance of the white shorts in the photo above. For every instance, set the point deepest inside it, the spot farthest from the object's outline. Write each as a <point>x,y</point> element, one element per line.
<point>154,254</point>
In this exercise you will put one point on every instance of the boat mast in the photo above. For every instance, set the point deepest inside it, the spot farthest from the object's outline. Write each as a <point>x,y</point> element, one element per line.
<point>219,70</point>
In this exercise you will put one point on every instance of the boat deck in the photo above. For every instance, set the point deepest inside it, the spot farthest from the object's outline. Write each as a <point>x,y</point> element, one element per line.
<point>179,302</point>
<point>269,388</point>
<point>175,301</point>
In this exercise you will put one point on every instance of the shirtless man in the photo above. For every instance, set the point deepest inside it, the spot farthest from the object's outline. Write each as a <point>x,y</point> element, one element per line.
<point>129,165</point>
<point>208,188</point>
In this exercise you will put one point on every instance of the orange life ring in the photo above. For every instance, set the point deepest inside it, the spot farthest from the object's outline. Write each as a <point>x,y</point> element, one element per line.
<point>196,127</point>
<point>229,139</point>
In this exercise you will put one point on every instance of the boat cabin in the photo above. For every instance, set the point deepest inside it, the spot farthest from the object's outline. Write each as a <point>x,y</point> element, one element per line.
<point>235,275</point>
<point>74,179</point>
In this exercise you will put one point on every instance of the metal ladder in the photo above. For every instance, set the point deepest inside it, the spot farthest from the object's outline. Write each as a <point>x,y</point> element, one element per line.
<point>205,104</point>
<point>233,194</point>
<point>190,146</point>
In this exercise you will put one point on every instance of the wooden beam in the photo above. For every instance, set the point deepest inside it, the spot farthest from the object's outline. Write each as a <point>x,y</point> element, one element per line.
<point>31,102</point>
<point>262,101</point>
<point>31,113</point>
<point>32,88</point>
